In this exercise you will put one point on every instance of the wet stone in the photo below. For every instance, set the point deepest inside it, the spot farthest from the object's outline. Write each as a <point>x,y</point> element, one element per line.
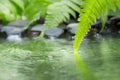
<point>53,32</point>
<point>116,19</point>
<point>36,30</point>
<point>93,33</point>
<point>72,27</point>
<point>33,31</point>
<point>39,27</point>
<point>19,23</point>
<point>11,30</point>
<point>114,24</point>
<point>73,30</point>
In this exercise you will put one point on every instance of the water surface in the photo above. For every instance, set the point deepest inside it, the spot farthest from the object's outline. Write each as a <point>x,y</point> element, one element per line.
<point>53,60</point>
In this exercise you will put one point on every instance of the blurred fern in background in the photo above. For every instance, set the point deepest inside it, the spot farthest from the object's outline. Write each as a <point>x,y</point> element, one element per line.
<point>60,12</point>
<point>55,11</point>
<point>11,10</point>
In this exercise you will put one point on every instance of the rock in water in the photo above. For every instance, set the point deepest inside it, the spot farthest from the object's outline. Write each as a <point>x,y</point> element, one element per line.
<point>72,27</point>
<point>14,38</point>
<point>11,30</point>
<point>33,31</point>
<point>19,23</point>
<point>39,27</point>
<point>114,24</point>
<point>36,30</point>
<point>11,33</point>
<point>53,32</point>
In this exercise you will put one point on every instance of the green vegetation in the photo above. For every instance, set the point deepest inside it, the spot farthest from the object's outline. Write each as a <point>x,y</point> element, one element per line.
<point>92,10</point>
<point>56,12</point>
<point>61,11</point>
<point>32,10</point>
<point>11,10</point>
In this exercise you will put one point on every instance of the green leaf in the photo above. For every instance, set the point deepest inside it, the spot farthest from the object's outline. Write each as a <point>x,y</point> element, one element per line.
<point>10,9</point>
<point>35,8</point>
<point>91,10</point>
<point>18,3</point>
<point>61,11</point>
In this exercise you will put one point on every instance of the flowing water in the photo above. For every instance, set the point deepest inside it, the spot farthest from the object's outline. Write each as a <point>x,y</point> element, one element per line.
<point>54,60</point>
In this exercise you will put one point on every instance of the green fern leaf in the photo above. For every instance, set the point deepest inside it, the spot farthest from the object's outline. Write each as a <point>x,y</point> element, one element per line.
<point>18,3</point>
<point>117,3</point>
<point>61,11</point>
<point>111,4</point>
<point>74,6</point>
<point>78,3</point>
<point>92,9</point>
<point>34,9</point>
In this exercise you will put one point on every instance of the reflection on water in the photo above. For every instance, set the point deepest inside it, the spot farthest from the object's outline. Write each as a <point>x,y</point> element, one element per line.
<point>102,56</point>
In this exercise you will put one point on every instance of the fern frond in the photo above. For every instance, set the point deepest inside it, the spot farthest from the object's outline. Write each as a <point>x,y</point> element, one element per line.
<point>117,3</point>
<point>18,3</point>
<point>61,11</point>
<point>91,10</point>
<point>111,4</point>
<point>35,7</point>
<point>11,9</point>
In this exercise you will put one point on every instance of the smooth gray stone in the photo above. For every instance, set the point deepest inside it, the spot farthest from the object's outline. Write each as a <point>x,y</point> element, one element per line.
<point>73,30</point>
<point>19,23</point>
<point>11,30</point>
<point>116,18</point>
<point>54,32</point>
<point>39,27</point>
<point>72,27</point>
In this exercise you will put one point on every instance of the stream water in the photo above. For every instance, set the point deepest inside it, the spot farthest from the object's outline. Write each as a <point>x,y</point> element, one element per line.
<point>57,62</point>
